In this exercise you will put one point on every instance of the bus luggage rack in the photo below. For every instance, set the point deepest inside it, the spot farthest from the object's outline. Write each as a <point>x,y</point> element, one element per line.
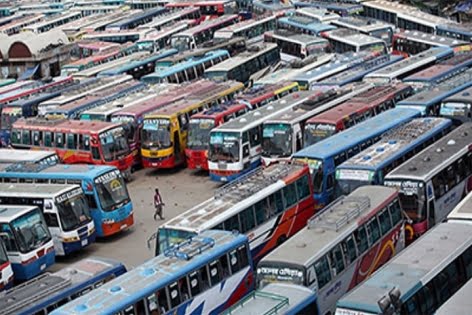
<point>189,248</point>
<point>281,301</point>
<point>253,181</point>
<point>26,167</point>
<point>43,285</point>
<point>339,213</point>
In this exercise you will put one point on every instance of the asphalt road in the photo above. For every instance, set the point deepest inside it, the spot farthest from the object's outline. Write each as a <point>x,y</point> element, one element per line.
<point>180,189</point>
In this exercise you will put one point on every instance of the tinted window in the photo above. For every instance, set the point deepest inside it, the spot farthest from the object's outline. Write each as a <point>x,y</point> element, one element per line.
<point>174,294</point>
<point>385,223</point>
<point>323,273</point>
<point>373,229</point>
<point>247,220</point>
<point>361,239</point>
<point>395,212</point>
<point>262,211</point>
<point>194,282</point>
<point>290,194</point>
<point>215,272</point>
<point>303,187</point>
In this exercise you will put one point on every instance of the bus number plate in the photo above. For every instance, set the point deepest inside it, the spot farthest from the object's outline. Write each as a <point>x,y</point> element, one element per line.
<point>84,242</point>
<point>124,226</point>
<point>43,266</point>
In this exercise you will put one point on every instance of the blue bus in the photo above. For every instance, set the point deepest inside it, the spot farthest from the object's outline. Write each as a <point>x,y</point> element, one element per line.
<point>188,70</point>
<point>370,166</point>
<point>139,67</point>
<point>104,187</point>
<point>429,101</point>
<point>303,24</point>
<point>134,20</point>
<point>204,275</point>
<point>323,157</point>
<point>357,72</point>
<point>49,291</point>
<point>342,8</point>
<point>432,76</point>
<point>462,31</point>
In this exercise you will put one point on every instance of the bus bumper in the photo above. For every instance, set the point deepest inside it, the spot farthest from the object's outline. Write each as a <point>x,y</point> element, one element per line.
<point>26,271</point>
<point>224,176</point>
<point>116,227</point>
<point>197,160</point>
<point>86,239</point>
<point>164,162</point>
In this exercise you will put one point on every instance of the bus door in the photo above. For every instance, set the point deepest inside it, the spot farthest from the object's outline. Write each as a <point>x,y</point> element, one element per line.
<point>52,221</point>
<point>255,146</point>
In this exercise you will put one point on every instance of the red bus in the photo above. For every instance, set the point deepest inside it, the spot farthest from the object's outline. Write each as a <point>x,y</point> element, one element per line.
<point>263,94</point>
<point>133,116</point>
<point>354,111</point>
<point>199,129</point>
<point>76,141</point>
<point>212,8</point>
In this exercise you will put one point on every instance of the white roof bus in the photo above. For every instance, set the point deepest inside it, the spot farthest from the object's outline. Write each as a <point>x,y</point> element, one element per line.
<point>367,26</point>
<point>252,29</point>
<point>297,46</point>
<point>33,156</point>
<point>340,247</point>
<point>171,18</point>
<point>419,279</point>
<point>276,298</point>
<point>460,303</point>
<point>65,210</point>
<point>435,180</point>
<point>343,40</point>
<point>282,135</point>
<point>53,22</point>
<point>321,15</point>
<point>29,244</point>
<point>463,211</point>
<point>458,107</point>
<point>236,146</point>
<point>94,71</point>
<point>408,66</point>
<point>269,205</point>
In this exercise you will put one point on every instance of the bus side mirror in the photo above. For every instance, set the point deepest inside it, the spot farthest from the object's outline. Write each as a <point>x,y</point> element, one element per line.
<point>245,151</point>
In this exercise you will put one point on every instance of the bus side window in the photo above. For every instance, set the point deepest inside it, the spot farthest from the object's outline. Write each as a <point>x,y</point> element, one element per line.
<point>243,257</point>
<point>247,220</point>
<point>95,153</point>
<point>232,223</point>
<point>152,304</point>
<point>7,236</point>
<point>361,239</point>
<point>290,194</point>
<point>349,249</point>
<point>71,141</point>
<point>184,289</point>
<point>51,219</point>
<point>48,139</point>
<point>385,222</point>
<point>204,280</point>
<point>254,136</point>
<point>91,201</point>
<point>234,261</point>
<point>59,140</point>
<point>278,205</point>
<point>337,260</point>
<point>262,211</point>
<point>26,137</point>
<point>373,229</point>
<point>37,138</point>
<point>323,273</point>
<point>174,294</point>
<point>303,187</point>
<point>162,301</point>
<point>194,283</point>
<point>225,266</point>
<point>395,212</point>
<point>215,272</point>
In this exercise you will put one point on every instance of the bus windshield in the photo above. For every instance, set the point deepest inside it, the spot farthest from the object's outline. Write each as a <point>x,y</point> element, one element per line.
<point>412,198</point>
<point>156,133</point>
<point>218,76</point>
<point>31,231</point>
<point>317,49</point>
<point>180,42</point>
<point>316,132</point>
<point>73,209</point>
<point>169,237</point>
<point>114,143</point>
<point>111,190</point>
<point>454,109</point>
<point>9,116</point>
<point>199,133</point>
<point>277,140</point>
<point>224,146</point>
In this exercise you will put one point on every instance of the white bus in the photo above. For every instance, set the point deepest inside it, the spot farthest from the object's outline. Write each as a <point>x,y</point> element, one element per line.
<point>53,22</point>
<point>29,244</point>
<point>252,29</point>
<point>32,156</point>
<point>460,303</point>
<point>294,45</point>
<point>65,210</point>
<point>236,146</point>
<point>463,211</point>
<point>340,247</point>
<point>435,180</point>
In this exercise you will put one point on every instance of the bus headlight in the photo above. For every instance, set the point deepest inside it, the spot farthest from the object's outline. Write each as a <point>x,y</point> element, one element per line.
<point>70,239</point>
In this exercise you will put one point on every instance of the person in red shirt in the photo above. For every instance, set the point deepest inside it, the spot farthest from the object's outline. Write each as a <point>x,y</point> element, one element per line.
<point>158,204</point>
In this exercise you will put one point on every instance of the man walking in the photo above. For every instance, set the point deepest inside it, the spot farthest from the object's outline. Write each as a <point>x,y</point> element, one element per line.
<point>158,204</point>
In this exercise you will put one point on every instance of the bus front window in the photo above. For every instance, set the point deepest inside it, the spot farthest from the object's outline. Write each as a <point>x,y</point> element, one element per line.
<point>168,237</point>
<point>180,43</point>
<point>114,144</point>
<point>453,109</point>
<point>156,134</point>
<point>218,76</point>
<point>224,146</point>
<point>316,132</point>
<point>111,189</point>
<point>277,140</point>
<point>199,133</point>
<point>30,231</point>
<point>73,210</point>
<point>9,116</point>
<point>413,200</point>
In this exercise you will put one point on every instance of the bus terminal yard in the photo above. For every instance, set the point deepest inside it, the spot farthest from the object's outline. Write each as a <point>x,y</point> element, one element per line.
<point>234,157</point>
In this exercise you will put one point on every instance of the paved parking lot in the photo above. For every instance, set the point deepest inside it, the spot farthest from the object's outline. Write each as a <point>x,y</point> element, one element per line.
<point>180,190</point>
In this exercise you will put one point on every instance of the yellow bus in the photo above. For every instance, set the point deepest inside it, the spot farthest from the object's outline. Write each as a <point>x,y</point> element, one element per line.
<point>164,132</point>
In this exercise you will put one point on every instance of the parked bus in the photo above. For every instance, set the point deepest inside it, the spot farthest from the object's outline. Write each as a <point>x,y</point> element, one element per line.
<point>15,26</point>
<point>27,239</point>
<point>458,31</point>
<point>261,95</point>
<point>104,188</point>
<point>323,157</point>
<point>157,40</point>
<point>370,166</point>
<point>94,71</point>
<point>6,271</point>
<point>165,130</point>
<point>459,303</point>
<point>197,35</point>
<point>259,7</point>
<point>268,205</point>
<point>282,134</point>
<point>172,18</point>
<point>409,42</point>
<point>418,280</point>
<point>367,26</point>
<point>251,29</point>
<point>321,15</point>
<point>344,40</point>
<point>462,211</point>
<point>36,156</point>
<point>49,291</point>
<point>341,8</point>
<point>76,141</point>
<point>350,113</point>
<point>293,45</point>
<point>275,298</point>
<point>460,59</point>
<point>187,278</point>
<point>199,128</point>
<point>189,70</point>
<point>435,180</point>
<point>304,25</point>
<point>408,66</point>
<point>52,22</point>
<point>342,246</point>
<point>132,21</point>
<point>246,64</point>
<point>458,106</point>
<point>64,208</point>
<point>236,146</point>
<point>212,8</point>
<point>432,76</point>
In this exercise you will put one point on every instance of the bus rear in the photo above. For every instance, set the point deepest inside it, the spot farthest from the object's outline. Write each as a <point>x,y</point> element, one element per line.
<point>458,107</point>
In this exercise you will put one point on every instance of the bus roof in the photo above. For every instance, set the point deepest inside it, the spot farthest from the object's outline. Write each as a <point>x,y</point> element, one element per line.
<point>329,227</point>
<point>296,37</point>
<point>352,38</point>
<point>31,170</point>
<point>10,212</point>
<point>361,23</point>
<point>14,155</point>
<point>460,303</point>
<point>156,273</point>
<point>463,211</point>
<point>64,125</point>
<point>338,113</point>
<point>34,190</point>
<point>462,96</point>
<point>431,39</point>
<point>341,141</point>
<point>412,268</point>
<point>130,19</point>
<point>208,24</point>
<point>251,187</point>
<point>246,24</point>
<point>222,109</point>
<point>379,93</point>
<point>431,73</point>
<point>306,23</point>
<point>425,164</point>
<point>396,141</point>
